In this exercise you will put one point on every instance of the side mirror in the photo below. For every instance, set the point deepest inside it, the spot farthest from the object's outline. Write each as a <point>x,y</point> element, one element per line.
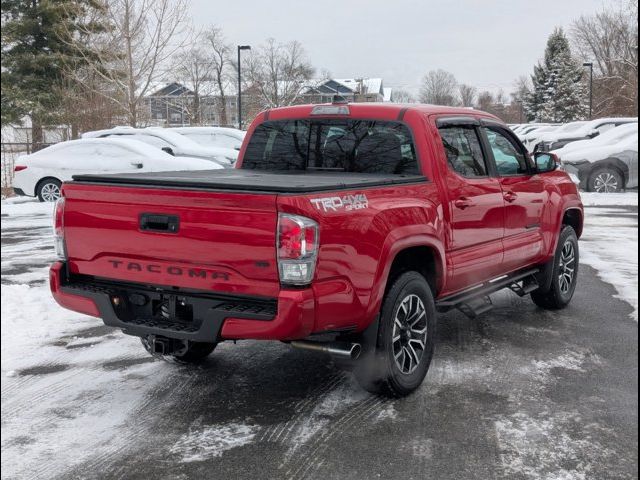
<point>593,134</point>
<point>168,150</point>
<point>546,162</point>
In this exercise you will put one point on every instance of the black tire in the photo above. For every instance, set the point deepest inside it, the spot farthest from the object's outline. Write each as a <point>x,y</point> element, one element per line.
<point>605,180</point>
<point>47,188</point>
<point>196,352</point>
<point>378,371</point>
<point>558,296</point>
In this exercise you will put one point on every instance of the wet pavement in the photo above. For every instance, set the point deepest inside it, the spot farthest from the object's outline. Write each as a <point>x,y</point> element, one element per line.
<point>518,393</point>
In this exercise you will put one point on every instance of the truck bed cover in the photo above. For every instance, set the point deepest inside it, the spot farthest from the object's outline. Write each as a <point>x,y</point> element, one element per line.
<point>251,180</point>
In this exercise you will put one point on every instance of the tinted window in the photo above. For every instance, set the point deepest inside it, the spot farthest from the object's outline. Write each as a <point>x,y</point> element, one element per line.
<point>464,153</point>
<point>359,146</point>
<point>150,140</point>
<point>510,160</point>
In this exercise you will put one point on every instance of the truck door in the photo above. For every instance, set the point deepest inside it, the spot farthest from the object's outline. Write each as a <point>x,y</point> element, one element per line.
<point>475,205</point>
<point>524,196</point>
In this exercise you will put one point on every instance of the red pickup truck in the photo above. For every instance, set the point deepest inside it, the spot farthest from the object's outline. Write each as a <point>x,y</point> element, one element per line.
<point>344,228</point>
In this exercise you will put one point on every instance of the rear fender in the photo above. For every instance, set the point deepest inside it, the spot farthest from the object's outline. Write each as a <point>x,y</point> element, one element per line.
<point>398,240</point>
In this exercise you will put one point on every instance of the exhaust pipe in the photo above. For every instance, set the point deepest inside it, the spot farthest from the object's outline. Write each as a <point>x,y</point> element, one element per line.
<point>344,350</point>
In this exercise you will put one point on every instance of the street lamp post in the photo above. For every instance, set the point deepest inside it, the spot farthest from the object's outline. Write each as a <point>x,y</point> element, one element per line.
<point>590,65</point>
<point>240,47</point>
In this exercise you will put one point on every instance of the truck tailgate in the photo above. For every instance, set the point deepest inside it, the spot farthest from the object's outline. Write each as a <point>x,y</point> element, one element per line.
<point>220,241</point>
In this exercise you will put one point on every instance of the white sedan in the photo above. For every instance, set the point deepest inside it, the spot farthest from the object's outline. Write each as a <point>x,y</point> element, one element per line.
<point>171,142</point>
<point>213,136</point>
<point>41,174</point>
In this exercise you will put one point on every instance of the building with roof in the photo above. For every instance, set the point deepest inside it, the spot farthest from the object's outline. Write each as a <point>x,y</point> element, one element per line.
<point>183,104</point>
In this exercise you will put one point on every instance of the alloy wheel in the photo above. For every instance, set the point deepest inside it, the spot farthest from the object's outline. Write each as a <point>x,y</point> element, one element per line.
<point>50,192</point>
<point>567,267</point>
<point>409,336</point>
<point>605,182</point>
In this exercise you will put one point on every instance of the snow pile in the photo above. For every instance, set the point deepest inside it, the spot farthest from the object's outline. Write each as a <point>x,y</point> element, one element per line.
<point>205,442</point>
<point>610,242</point>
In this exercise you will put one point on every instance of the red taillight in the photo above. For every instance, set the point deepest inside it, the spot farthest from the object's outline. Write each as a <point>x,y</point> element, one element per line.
<point>296,237</point>
<point>19,168</point>
<point>58,229</point>
<point>297,249</point>
<point>58,214</point>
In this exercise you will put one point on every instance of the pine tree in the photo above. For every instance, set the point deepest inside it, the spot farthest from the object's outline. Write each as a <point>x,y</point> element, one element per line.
<point>37,46</point>
<point>558,94</point>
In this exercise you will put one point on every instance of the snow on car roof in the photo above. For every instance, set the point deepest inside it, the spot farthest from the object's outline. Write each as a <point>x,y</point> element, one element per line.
<point>129,144</point>
<point>239,134</point>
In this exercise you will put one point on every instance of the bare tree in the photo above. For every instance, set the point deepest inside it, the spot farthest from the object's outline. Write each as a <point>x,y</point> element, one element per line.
<point>439,87</point>
<point>467,94</point>
<point>485,101</point>
<point>278,73</point>
<point>222,62</point>
<point>135,50</point>
<point>399,95</point>
<point>609,39</point>
<point>195,69</point>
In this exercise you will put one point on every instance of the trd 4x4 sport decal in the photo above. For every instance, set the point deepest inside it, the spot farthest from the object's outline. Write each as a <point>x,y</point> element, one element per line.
<point>346,202</point>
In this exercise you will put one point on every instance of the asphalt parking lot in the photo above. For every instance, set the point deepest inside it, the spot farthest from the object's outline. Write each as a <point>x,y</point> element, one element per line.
<point>519,393</point>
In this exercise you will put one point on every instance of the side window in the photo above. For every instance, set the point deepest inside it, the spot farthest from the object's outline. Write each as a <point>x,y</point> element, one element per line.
<point>464,153</point>
<point>509,158</point>
<point>605,127</point>
<point>151,140</point>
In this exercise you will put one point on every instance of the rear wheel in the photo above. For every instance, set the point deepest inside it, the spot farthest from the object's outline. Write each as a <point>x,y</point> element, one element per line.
<point>405,340</point>
<point>191,352</point>
<point>564,273</point>
<point>606,180</point>
<point>49,190</point>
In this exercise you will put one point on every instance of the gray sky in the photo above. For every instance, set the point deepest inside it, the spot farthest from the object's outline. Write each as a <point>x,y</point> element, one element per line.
<point>484,43</point>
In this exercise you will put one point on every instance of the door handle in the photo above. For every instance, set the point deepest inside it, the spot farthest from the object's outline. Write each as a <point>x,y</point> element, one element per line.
<point>462,203</point>
<point>153,222</point>
<point>510,196</point>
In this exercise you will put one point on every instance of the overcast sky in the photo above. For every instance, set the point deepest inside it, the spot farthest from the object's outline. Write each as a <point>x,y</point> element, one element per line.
<point>484,43</point>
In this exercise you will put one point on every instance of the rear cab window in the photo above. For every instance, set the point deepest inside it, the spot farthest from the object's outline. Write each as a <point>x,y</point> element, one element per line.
<point>334,145</point>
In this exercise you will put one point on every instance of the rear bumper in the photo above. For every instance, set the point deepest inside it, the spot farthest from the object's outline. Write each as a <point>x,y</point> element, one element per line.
<point>189,315</point>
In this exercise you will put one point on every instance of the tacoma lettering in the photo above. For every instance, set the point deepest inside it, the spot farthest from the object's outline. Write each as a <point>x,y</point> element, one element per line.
<point>170,270</point>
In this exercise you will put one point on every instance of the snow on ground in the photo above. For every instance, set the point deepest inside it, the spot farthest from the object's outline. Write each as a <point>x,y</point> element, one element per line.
<point>71,387</point>
<point>202,443</point>
<point>610,241</point>
<point>51,369</point>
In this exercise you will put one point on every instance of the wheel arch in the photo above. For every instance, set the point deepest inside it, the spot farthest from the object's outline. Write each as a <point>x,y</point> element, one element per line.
<point>43,179</point>
<point>574,217</point>
<point>611,162</point>
<point>424,254</point>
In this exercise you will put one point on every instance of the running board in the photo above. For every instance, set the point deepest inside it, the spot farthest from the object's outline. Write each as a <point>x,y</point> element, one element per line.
<point>475,301</point>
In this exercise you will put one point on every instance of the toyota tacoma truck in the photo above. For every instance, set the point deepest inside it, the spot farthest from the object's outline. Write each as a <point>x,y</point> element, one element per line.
<point>344,228</point>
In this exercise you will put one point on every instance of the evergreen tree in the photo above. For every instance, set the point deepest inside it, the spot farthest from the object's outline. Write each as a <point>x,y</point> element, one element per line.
<point>37,46</point>
<point>558,94</point>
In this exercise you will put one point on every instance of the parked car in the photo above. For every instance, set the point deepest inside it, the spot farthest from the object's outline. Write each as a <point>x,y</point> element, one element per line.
<point>41,174</point>
<point>171,142</point>
<point>528,128</point>
<point>344,228</point>
<point>213,136</point>
<point>591,129</point>
<point>535,133</point>
<point>531,139</point>
<point>614,135</point>
<point>605,167</point>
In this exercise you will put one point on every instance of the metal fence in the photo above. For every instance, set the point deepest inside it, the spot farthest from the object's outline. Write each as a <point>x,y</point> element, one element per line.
<point>10,153</point>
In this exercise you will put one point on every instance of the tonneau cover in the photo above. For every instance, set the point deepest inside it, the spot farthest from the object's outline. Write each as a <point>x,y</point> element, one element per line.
<point>252,180</point>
